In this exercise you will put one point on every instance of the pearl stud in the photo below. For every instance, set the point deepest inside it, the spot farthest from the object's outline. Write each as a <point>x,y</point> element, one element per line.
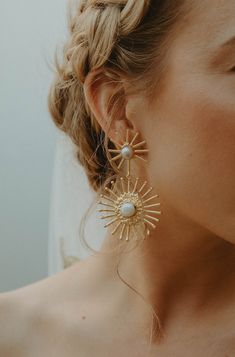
<point>127,209</point>
<point>127,152</point>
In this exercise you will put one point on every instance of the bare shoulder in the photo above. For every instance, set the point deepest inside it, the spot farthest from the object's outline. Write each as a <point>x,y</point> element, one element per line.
<point>24,311</point>
<point>42,312</point>
<point>13,325</point>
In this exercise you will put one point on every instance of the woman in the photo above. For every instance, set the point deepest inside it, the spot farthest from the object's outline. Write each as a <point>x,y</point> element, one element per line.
<point>164,71</point>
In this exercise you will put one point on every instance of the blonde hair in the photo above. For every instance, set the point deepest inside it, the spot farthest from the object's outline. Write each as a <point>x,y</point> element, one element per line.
<point>127,39</point>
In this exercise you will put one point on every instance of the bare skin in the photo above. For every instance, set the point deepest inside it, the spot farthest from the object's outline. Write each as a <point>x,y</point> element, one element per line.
<point>65,315</point>
<point>186,267</point>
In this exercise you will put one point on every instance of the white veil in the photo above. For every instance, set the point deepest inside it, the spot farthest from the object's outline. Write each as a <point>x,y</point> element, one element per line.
<point>70,198</point>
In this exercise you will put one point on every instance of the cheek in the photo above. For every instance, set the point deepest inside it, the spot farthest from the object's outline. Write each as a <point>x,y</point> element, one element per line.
<point>193,156</point>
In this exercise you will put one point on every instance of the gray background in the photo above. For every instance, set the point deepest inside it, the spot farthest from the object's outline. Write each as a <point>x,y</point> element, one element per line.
<point>29,33</point>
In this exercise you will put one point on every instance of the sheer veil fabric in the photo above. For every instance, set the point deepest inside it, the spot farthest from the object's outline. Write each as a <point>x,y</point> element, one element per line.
<point>70,197</point>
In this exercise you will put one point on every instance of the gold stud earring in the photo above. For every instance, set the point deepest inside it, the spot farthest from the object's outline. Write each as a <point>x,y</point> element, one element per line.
<point>127,205</point>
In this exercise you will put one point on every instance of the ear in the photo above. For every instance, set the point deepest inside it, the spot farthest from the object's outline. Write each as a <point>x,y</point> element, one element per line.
<point>100,91</point>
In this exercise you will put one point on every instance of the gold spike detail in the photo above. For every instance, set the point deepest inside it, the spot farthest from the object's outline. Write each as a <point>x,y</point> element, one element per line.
<point>149,190</point>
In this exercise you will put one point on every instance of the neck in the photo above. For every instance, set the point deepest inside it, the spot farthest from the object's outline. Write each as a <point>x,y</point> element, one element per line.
<point>180,268</point>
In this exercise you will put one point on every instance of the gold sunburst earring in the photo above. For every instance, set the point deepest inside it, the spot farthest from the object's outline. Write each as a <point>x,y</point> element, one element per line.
<point>126,205</point>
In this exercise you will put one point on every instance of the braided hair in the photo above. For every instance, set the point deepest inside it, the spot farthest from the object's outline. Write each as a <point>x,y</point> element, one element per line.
<point>121,36</point>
